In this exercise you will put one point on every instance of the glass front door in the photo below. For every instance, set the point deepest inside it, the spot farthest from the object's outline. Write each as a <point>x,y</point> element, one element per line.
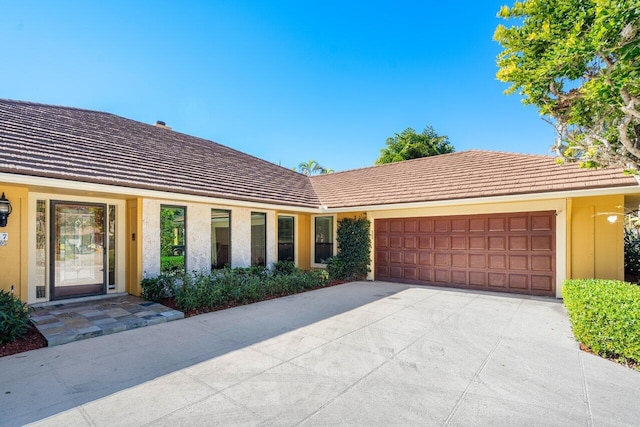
<point>77,249</point>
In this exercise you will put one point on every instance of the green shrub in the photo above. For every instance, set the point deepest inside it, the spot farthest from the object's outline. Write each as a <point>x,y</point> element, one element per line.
<point>354,250</point>
<point>230,286</point>
<point>283,268</point>
<point>605,315</point>
<point>14,317</point>
<point>172,263</point>
<point>632,255</point>
<point>162,286</point>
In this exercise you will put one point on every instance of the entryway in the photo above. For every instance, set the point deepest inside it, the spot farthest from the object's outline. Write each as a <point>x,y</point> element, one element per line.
<point>78,249</point>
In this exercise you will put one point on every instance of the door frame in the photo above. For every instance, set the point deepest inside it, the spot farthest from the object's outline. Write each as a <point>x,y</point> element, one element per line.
<point>52,247</point>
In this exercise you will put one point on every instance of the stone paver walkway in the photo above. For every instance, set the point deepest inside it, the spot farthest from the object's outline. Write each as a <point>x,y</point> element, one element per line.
<point>73,321</point>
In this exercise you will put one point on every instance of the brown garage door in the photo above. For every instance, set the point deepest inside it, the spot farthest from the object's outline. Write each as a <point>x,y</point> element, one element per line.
<point>512,252</point>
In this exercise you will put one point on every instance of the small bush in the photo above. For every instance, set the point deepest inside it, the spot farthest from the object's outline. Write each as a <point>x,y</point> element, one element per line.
<point>172,263</point>
<point>230,286</point>
<point>283,268</point>
<point>14,317</point>
<point>162,286</point>
<point>632,255</point>
<point>605,315</point>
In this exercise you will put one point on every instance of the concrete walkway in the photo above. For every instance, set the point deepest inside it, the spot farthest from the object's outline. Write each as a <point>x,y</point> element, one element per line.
<point>355,354</point>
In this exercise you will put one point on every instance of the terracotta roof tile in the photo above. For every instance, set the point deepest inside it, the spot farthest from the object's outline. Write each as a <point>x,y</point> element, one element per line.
<point>82,145</point>
<point>462,175</point>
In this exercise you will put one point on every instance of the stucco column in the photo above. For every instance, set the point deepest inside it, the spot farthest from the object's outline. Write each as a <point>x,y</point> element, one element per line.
<point>198,238</point>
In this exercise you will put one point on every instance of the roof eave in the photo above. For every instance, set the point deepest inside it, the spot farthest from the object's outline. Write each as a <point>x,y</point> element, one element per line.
<point>606,191</point>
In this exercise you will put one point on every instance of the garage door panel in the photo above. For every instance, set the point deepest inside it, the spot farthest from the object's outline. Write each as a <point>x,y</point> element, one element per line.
<point>518,281</point>
<point>442,276</point>
<point>425,225</point>
<point>497,243</point>
<point>518,262</point>
<point>458,243</point>
<point>477,225</point>
<point>425,242</point>
<point>541,263</point>
<point>541,283</point>
<point>410,258</point>
<point>395,272</point>
<point>396,226</point>
<point>519,223</point>
<point>497,262</point>
<point>425,274</point>
<point>458,225</point>
<point>512,252</point>
<point>441,243</point>
<point>426,258</point>
<point>459,260</point>
<point>410,273</point>
<point>395,241</point>
<point>497,280</point>
<point>410,226</point>
<point>410,242</point>
<point>542,222</point>
<point>382,257</point>
<point>459,277</point>
<point>478,261</point>
<point>382,241</point>
<point>441,225</point>
<point>497,224</point>
<point>477,278</point>
<point>477,243</point>
<point>518,243</point>
<point>541,243</point>
<point>441,259</point>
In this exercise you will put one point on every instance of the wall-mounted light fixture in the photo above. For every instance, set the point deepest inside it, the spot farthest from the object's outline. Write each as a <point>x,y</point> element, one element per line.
<point>5,210</point>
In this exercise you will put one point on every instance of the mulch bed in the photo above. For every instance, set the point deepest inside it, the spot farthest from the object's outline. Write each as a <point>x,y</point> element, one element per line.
<point>33,340</point>
<point>628,362</point>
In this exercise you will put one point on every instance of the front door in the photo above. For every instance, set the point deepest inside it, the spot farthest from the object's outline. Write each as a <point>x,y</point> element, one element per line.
<point>77,249</point>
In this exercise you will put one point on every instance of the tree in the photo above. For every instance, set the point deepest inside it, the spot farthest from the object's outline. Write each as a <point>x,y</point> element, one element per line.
<point>312,168</point>
<point>578,62</point>
<point>409,145</point>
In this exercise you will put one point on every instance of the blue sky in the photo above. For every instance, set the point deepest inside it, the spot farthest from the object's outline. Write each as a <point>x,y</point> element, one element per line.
<point>286,81</point>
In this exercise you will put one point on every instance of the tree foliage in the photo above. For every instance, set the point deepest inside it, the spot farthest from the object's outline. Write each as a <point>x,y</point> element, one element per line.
<point>312,168</point>
<point>409,145</point>
<point>578,62</point>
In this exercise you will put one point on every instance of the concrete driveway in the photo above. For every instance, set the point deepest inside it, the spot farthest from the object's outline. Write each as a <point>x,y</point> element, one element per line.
<point>357,354</point>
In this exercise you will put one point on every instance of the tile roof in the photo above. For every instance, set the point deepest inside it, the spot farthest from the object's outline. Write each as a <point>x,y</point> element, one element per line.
<point>90,146</point>
<point>461,175</point>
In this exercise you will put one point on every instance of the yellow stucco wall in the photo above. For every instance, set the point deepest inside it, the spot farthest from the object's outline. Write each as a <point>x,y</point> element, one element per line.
<point>304,241</point>
<point>596,248</point>
<point>13,256</point>
<point>134,246</point>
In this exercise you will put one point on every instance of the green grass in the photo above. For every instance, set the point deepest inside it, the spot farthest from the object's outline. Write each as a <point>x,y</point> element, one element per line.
<point>605,316</point>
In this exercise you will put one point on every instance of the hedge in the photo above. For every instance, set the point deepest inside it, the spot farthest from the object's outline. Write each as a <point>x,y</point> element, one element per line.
<point>605,316</point>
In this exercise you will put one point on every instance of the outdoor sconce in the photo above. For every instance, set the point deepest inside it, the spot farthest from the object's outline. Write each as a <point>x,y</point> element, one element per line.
<point>5,210</point>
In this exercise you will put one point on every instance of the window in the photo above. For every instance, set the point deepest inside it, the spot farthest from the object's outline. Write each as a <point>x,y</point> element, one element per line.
<point>111,247</point>
<point>323,237</point>
<point>220,239</point>
<point>41,248</point>
<point>172,238</point>
<point>286,238</point>
<point>258,238</point>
